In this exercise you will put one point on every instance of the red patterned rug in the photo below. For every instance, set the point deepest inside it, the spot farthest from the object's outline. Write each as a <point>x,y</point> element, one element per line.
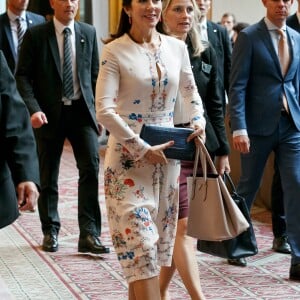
<point>30,273</point>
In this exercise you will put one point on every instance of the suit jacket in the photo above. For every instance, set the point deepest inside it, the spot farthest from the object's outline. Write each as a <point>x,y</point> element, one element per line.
<point>206,78</point>
<point>39,75</point>
<point>293,22</point>
<point>257,84</point>
<point>219,39</point>
<point>18,160</point>
<point>6,38</point>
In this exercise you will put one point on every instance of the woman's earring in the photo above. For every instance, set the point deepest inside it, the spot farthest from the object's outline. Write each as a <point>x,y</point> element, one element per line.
<point>129,18</point>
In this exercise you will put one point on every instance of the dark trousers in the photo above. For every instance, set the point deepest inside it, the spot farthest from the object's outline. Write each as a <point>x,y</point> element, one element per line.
<point>285,143</point>
<point>277,206</point>
<point>77,128</point>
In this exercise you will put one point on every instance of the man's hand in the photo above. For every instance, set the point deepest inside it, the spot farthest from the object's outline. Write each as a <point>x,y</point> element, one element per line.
<point>27,195</point>
<point>38,119</point>
<point>241,143</point>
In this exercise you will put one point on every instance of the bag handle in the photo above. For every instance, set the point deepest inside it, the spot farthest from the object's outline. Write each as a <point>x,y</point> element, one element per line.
<point>205,158</point>
<point>232,186</point>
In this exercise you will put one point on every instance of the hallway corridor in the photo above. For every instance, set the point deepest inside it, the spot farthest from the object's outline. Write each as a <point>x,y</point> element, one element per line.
<point>29,273</point>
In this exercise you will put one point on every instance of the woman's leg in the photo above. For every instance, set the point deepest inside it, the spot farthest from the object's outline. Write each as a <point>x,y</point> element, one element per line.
<point>131,295</point>
<point>185,261</point>
<point>146,289</point>
<point>165,277</point>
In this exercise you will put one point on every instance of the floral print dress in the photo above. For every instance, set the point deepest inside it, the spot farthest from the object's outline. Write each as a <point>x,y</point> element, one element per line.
<point>137,86</point>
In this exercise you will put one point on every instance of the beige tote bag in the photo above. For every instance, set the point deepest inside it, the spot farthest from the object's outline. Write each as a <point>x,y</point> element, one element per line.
<point>213,214</point>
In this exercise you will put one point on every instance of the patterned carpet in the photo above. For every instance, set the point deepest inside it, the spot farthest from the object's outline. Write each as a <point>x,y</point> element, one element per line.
<point>29,273</point>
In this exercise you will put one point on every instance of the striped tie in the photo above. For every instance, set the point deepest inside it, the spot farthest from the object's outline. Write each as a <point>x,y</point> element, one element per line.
<point>68,90</point>
<point>20,31</point>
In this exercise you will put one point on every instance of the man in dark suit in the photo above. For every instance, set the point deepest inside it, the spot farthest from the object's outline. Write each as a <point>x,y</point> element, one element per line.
<point>18,161</point>
<point>8,28</point>
<point>219,39</point>
<point>280,242</point>
<point>57,114</point>
<point>265,111</point>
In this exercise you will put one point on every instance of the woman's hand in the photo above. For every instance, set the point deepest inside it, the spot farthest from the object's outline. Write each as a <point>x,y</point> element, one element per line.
<point>222,164</point>
<point>198,132</point>
<point>155,154</point>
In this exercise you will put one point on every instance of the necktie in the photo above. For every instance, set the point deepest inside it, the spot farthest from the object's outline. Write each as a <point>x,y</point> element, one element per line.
<point>68,90</point>
<point>20,32</point>
<point>284,59</point>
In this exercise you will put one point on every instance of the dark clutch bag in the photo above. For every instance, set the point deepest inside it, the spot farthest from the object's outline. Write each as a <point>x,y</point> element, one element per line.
<point>243,245</point>
<point>182,150</point>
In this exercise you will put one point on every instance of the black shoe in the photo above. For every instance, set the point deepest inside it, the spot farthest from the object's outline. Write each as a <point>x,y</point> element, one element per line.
<point>295,272</point>
<point>50,242</point>
<point>281,245</point>
<point>240,262</point>
<point>90,243</point>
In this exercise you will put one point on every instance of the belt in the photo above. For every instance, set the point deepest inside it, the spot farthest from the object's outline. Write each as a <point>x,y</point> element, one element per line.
<point>68,102</point>
<point>183,125</point>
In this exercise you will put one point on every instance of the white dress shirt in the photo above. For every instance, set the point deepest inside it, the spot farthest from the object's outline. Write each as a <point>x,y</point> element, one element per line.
<point>59,28</point>
<point>203,30</point>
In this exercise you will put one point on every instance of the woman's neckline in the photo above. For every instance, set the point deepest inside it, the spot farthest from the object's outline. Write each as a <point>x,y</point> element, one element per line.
<point>152,46</point>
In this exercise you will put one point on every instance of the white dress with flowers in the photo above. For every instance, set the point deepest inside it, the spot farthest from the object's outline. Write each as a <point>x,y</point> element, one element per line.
<point>142,198</point>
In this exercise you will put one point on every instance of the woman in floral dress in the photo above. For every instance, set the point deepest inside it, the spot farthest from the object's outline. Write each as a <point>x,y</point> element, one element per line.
<point>140,75</point>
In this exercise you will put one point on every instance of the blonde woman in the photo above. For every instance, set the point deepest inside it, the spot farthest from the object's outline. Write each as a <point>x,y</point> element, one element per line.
<point>178,19</point>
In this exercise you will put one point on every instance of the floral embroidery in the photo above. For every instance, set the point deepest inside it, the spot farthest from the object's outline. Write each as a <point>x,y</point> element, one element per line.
<point>168,219</point>
<point>113,186</point>
<point>142,214</point>
<point>190,87</point>
<point>196,118</point>
<point>118,239</point>
<point>134,146</point>
<point>136,117</point>
<point>126,255</point>
<point>140,193</point>
<point>158,95</point>
<point>127,161</point>
<point>129,234</point>
<point>169,213</point>
<point>129,182</point>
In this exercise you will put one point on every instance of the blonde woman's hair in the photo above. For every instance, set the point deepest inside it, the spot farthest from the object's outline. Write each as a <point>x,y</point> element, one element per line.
<point>194,33</point>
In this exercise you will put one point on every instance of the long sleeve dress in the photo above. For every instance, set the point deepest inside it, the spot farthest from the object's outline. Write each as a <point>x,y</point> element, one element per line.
<point>136,86</point>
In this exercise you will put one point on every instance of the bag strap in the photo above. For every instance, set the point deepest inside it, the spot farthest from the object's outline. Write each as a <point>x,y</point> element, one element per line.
<point>228,178</point>
<point>205,158</point>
